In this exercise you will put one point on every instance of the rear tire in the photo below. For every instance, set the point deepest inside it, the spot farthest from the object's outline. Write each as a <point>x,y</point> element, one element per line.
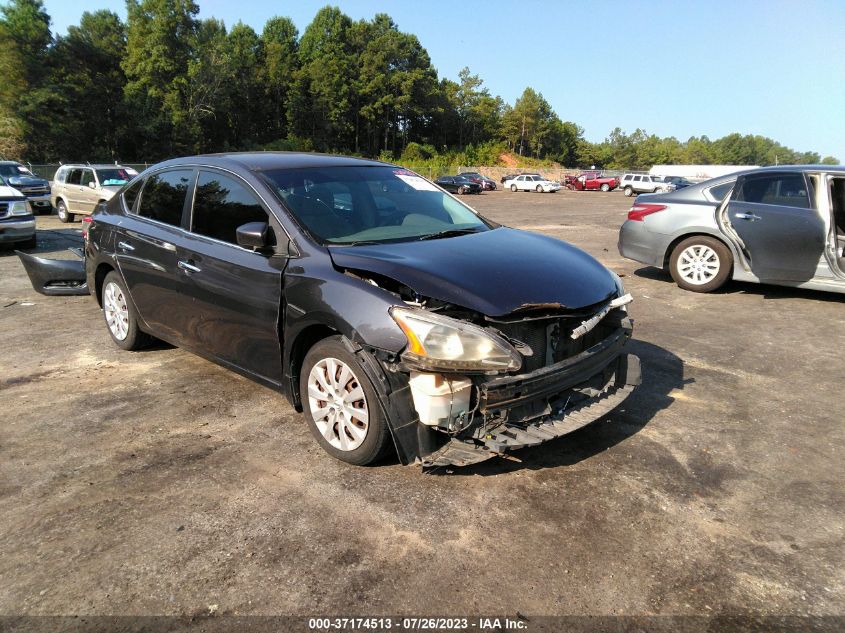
<point>629,192</point>
<point>120,315</point>
<point>461,190</point>
<point>700,264</point>
<point>61,211</point>
<point>539,189</point>
<point>354,432</point>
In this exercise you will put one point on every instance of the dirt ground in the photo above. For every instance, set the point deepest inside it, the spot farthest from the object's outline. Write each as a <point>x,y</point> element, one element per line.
<point>158,483</point>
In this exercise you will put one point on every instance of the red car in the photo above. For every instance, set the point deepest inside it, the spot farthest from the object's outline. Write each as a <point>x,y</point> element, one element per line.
<point>592,181</point>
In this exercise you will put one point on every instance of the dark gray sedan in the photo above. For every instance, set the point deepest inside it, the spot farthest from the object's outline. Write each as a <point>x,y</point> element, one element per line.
<point>781,225</point>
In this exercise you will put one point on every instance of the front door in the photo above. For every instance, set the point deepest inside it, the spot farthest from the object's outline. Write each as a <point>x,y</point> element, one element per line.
<point>88,195</point>
<point>782,232</point>
<point>235,293</point>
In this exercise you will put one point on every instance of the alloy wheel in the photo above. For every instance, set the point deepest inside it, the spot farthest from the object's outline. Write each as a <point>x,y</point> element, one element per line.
<point>338,404</point>
<point>116,310</point>
<point>698,264</point>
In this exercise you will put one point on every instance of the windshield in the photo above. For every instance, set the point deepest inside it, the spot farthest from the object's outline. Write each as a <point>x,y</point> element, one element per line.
<point>14,170</point>
<point>116,176</point>
<point>346,205</point>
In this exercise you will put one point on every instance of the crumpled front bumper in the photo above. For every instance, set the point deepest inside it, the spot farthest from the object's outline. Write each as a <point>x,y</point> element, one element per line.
<point>565,417</point>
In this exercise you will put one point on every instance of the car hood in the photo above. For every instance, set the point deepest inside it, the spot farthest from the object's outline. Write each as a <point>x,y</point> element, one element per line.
<point>26,181</point>
<point>9,192</point>
<point>495,272</point>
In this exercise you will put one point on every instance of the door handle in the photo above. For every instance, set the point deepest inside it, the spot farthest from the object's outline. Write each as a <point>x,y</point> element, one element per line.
<point>188,267</point>
<point>747,216</point>
<point>126,246</point>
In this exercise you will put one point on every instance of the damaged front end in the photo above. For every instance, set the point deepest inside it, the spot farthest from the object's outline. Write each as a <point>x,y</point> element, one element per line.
<point>483,386</point>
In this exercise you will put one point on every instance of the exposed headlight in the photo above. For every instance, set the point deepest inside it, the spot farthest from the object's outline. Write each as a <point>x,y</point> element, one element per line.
<point>20,207</point>
<point>437,342</point>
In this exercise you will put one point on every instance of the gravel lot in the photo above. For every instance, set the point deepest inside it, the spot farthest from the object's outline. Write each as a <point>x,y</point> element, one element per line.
<point>159,483</point>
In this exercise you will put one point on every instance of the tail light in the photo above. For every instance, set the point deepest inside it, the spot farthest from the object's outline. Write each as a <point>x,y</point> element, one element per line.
<point>638,212</point>
<point>86,224</point>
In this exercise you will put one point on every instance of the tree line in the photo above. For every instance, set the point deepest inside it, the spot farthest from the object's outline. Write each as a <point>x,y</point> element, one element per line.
<point>166,83</point>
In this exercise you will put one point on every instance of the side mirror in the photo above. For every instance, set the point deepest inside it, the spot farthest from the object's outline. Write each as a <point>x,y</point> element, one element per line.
<point>253,236</point>
<point>92,184</point>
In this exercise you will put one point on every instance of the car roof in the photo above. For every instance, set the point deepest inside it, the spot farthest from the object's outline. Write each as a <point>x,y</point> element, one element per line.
<point>263,161</point>
<point>97,166</point>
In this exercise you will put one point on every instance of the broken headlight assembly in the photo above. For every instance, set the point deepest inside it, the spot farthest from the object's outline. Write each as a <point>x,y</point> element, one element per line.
<point>440,343</point>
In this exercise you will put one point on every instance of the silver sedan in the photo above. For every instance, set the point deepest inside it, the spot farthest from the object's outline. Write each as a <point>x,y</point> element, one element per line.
<point>779,225</point>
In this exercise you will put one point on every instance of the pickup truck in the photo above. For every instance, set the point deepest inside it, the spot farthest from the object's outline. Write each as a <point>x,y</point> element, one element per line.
<point>594,181</point>
<point>35,189</point>
<point>16,221</point>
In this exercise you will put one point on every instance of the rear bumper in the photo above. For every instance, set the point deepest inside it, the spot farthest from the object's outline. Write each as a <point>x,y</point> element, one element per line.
<point>638,243</point>
<point>17,230</point>
<point>55,276</point>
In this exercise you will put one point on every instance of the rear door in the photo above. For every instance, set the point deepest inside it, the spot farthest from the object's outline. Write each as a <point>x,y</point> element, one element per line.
<point>782,233</point>
<point>73,190</point>
<point>235,293</point>
<point>88,194</point>
<point>145,247</point>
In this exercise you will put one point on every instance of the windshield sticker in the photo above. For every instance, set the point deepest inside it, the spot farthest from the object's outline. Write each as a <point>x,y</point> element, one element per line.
<point>418,183</point>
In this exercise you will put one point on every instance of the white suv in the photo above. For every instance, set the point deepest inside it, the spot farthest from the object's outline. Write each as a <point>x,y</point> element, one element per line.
<point>643,183</point>
<point>78,189</point>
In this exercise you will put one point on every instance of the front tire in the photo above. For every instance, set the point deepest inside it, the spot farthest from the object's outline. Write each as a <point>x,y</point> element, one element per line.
<point>700,264</point>
<point>629,192</point>
<point>341,404</point>
<point>605,187</point>
<point>120,315</point>
<point>513,188</point>
<point>61,211</point>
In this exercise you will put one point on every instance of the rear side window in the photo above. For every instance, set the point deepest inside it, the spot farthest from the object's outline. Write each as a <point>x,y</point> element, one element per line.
<point>785,190</point>
<point>720,191</point>
<point>221,205</point>
<point>163,196</point>
<point>131,194</point>
<point>74,177</point>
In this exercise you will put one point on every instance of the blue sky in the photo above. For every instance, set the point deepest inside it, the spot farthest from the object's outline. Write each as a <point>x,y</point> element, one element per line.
<point>769,67</point>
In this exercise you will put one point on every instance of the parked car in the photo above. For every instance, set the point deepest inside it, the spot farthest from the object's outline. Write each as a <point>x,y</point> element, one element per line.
<point>679,181</point>
<point>35,189</point>
<point>526,182</point>
<point>782,225</point>
<point>78,189</point>
<point>487,184</point>
<point>458,184</point>
<point>17,223</point>
<point>389,312</point>
<point>594,181</point>
<point>643,183</point>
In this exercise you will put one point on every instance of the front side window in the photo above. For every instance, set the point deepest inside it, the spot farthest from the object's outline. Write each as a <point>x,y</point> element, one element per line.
<point>221,205</point>
<point>60,175</point>
<point>350,204</point>
<point>163,196</point>
<point>786,190</point>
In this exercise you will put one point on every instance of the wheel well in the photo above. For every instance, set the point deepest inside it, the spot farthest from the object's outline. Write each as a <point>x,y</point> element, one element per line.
<point>668,254</point>
<point>99,276</point>
<point>306,339</point>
